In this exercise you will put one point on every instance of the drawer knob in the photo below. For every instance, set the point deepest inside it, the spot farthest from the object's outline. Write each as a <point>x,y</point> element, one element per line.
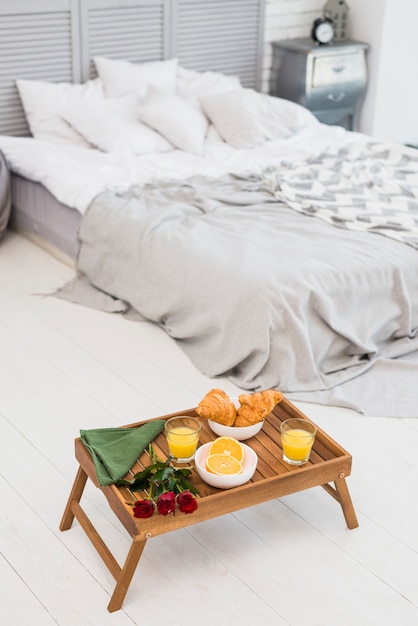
<point>338,68</point>
<point>336,97</point>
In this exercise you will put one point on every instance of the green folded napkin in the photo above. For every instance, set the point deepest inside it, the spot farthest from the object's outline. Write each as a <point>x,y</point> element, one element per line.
<point>115,450</point>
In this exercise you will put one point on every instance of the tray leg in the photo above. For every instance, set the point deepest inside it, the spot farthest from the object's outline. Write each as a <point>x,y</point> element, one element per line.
<point>122,575</point>
<point>75,495</point>
<point>346,503</point>
<point>125,576</point>
<point>341,494</point>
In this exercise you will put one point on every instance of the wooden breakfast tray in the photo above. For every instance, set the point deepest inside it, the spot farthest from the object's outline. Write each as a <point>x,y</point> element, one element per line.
<point>329,463</point>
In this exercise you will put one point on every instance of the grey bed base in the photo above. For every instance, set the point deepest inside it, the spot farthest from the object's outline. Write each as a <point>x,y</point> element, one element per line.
<point>39,215</point>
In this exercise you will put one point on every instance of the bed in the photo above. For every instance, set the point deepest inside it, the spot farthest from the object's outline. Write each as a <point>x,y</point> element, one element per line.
<point>275,250</point>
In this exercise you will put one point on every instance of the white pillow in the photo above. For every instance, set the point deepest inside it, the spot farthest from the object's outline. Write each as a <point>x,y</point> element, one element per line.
<point>43,103</point>
<point>192,84</point>
<point>179,122</point>
<point>246,118</point>
<point>114,126</point>
<point>123,77</point>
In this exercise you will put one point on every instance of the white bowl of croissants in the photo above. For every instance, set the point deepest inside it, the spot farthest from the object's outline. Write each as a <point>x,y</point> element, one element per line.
<point>240,417</point>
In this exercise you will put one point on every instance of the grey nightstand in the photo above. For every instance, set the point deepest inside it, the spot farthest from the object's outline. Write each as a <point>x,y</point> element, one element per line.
<point>329,80</point>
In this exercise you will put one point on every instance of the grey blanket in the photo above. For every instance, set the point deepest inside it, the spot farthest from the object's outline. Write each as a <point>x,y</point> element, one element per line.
<point>257,292</point>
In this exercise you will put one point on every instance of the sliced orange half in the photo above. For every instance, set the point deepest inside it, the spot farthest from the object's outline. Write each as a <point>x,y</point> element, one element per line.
<point>227,445</point>
<point>223,464</point>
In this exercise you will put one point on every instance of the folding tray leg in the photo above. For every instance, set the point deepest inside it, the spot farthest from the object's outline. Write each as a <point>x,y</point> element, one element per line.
<point>75,495</point>
<point>124,578</point>
<point>122,575</point>
<point>342,495</point>
<point>346,503</point>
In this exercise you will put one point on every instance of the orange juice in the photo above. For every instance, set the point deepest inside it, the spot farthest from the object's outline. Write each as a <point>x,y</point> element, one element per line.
<point>182,442</point>
<point>182,434</point>
<point>297,444</point>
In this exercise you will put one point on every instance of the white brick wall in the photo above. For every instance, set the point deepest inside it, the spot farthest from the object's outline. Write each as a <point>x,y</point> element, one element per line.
<point>287,19</point>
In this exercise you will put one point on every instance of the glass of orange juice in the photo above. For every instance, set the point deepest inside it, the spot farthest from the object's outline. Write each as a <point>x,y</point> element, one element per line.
<point>182,434</point>
<point>298,436</point>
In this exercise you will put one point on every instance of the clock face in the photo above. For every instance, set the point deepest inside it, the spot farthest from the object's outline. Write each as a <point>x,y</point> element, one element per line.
<point>323,31</point>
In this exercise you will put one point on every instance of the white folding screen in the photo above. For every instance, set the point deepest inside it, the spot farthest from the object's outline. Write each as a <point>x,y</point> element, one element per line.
<point>38,40</point>
<point>55,40</point>
<point>135,30</point>
<point>221,35</point>
<point>218,35</point>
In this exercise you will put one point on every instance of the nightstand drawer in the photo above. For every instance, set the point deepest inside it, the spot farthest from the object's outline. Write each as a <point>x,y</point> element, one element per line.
<point>329,97</point>
<point>339,68</point>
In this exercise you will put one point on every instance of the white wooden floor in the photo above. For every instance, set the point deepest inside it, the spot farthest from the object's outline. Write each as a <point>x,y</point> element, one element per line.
<point>289,561</point>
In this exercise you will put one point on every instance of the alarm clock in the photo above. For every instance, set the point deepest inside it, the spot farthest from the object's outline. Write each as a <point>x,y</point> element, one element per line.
<point>323,30</point>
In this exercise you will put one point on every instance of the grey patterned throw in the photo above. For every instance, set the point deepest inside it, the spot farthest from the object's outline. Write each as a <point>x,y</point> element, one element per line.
<point>367,187</point>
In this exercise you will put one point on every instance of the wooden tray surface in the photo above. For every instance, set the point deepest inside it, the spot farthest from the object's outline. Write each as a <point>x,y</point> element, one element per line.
<point>273,478</point>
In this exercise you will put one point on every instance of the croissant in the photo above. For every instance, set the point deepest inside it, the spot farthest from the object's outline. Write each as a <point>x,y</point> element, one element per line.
<point>255,406</point>
<point>218,407</point>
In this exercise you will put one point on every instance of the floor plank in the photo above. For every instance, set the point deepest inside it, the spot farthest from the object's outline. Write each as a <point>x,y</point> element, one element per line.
<point>17,599</point>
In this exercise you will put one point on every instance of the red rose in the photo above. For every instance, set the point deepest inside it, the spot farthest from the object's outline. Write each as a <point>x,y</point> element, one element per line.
<point>186,501</point>
<point>166,503</point>
<point>143,508</point>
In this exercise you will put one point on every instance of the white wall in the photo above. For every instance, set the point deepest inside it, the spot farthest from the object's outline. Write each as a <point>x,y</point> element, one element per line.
<point>390,108</point>
<point>390,111</point>
<point>287,19</point>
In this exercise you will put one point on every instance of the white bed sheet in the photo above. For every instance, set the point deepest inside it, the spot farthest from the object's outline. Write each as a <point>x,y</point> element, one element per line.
<point>76,175</point>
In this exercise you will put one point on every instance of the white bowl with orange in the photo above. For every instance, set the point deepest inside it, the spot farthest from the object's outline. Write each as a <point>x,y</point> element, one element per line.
<point>225,462</point>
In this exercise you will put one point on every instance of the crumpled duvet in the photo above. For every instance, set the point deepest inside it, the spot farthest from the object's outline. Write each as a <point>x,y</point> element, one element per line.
<point>255,291</point>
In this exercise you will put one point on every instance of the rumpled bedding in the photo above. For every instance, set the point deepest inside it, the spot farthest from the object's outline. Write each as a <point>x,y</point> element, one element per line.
<point>76,175</point>
<point>257,292</point>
